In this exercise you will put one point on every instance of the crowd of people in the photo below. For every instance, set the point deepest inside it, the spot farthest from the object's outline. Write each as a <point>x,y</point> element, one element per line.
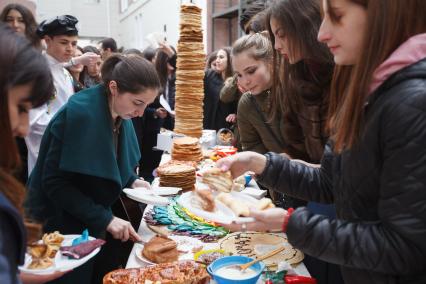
<point>327,101</point>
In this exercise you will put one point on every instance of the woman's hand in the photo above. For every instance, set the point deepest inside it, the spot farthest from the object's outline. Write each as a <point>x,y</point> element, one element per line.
<point>122,230</point>
<point>266,220</point>
<point>243,162</point>
<point>232,118</point>
<point>141,183</point>
<point>39,279</point>
<point>166,48</point>
<point>161,112</point>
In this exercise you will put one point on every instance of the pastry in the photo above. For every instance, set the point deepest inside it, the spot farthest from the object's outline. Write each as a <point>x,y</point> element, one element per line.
<point>160,250</point>
<point>205,199</point>
<point>218,180</point>
<point>182,272</point>
<point>238,207</point>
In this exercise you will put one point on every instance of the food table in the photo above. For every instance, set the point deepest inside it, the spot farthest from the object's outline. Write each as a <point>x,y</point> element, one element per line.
<point>146,233</point>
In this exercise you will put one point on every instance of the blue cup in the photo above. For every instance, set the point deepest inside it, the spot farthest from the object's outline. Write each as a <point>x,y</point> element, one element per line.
<point>234,260</point>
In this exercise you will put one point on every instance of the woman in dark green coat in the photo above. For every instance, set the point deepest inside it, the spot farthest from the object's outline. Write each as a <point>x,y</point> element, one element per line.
<point>89,153</point>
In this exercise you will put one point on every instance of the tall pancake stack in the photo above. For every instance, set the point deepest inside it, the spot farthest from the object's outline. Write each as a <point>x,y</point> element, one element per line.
<point>186,149</point>
<point>190,73</point>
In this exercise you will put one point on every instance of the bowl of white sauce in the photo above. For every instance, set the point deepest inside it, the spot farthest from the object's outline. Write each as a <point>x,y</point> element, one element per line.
<point>224,270</point>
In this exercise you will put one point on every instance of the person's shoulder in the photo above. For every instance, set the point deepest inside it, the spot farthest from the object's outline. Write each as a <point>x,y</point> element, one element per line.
<point>245,100</point>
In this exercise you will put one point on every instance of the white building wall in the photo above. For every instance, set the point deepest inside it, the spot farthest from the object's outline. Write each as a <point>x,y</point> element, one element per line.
<point>144,17</point>
<point>128,27</point>
<point>97,19</point>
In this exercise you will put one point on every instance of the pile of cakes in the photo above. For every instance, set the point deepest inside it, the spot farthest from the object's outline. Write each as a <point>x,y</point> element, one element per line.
<point>190,73</point>
<point>177,174</point>
<point>187,149</point>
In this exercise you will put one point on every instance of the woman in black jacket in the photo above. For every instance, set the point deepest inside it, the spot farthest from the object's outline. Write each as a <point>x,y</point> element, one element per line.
<point>373,168</point>
<point>216,111</point>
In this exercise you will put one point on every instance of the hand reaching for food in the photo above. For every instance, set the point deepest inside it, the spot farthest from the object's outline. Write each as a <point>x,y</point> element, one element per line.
<point>141,183</point>
<point>122,230</point>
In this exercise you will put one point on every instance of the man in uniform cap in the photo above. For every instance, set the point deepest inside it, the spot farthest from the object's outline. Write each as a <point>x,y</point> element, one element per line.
<point>60,35</point>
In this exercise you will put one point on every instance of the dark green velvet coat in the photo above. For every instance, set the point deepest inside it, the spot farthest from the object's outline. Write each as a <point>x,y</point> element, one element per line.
<point>78,175</point>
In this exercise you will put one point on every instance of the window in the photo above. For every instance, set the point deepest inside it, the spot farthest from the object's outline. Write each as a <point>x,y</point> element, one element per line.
<point>124,4</point>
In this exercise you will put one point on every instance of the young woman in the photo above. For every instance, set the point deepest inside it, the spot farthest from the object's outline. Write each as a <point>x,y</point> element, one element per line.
<point>21,67</point>
<point>252,63</point>
<point>252,57</point>
<point>211,60</point>
<point>91,74</point>
<point>165,64</point>
<point>76,70</point>
<point>303,69</point>
<point>374,168</point>
<point>88,155</point>
<point>156,115</point>
<point>22,21</point>
<point>215,111</point>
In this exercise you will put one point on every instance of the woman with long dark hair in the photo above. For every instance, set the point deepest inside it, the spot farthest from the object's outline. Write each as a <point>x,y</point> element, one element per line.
<point>21,68</point>
<point>303,69</point>
<point>216,111</point>
<point>22,21</point>
<point>373,168</point>
<point>76,71</point>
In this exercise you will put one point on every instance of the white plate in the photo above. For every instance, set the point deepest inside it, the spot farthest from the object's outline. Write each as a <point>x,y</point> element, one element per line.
<point>158,190</point>
<point>222,214</point>
<point>144,196</point>
<point>61,263</point>
<point>138,251</point>
<point>253,190</point>
<point>184,243</point>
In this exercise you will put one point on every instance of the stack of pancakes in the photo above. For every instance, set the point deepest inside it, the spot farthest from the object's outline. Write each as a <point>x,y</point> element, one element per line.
<point>187,149</point>
<point>190,73</point>
<point>177,174</point>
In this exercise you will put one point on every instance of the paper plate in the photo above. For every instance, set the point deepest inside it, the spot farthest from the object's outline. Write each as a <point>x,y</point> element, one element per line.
<point>145,196</point>
<point>159,190</point>
<point>61,263</point>
<point>223,214</point>
<point>184,243</point>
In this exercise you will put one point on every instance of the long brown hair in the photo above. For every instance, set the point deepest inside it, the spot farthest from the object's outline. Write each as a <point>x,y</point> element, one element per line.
<point>300,21</point>
<point>20,64</point>
<point>390,23</point>
<point>30,23</point>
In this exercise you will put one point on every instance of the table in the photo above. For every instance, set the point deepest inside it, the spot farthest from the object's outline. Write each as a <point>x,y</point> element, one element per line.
<point>147,234</point>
